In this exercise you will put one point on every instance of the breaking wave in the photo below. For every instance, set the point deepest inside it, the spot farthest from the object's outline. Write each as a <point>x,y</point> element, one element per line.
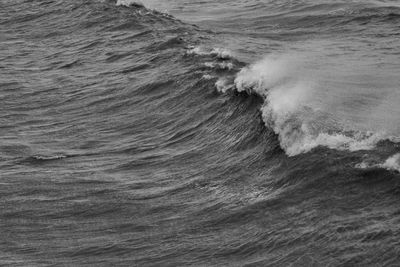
<point>289,88</point>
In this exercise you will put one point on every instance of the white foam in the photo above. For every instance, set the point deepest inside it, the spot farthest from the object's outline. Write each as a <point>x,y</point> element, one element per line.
<point>195,50</point>
<point>392,163</point>
<point>207,77</point>
<point>223,85</point>
<point>298,132</point>
<point>49,157</point>
<point>303,142</point>
<point>216,52</point>
<point>129,3</point>
<point>219,65</point>
<point>221,53</point>
<point>362,165</point>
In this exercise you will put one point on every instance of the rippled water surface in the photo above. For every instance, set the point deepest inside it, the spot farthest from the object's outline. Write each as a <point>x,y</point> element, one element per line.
<point>199,133</point>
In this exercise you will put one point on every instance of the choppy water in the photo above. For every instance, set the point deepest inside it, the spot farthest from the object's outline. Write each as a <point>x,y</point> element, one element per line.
<point>199,133</point>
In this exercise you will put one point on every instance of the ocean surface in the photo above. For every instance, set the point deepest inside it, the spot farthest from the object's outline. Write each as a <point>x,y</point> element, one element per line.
<point>199,133</point>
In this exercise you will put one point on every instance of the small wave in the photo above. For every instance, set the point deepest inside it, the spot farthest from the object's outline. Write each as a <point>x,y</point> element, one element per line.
<point>129,3</point>
<point>391,164</point>
<point>196,50</point>
<point>208,77</point>
<point>223,85</point>
<point>219,53</point>
<point>48,157</point>
<point>43,158</point>
<point>362,165</point>
<point>220,65</point>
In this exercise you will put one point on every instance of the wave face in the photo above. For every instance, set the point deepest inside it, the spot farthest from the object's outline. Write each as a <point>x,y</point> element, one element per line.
<point>199,133</point>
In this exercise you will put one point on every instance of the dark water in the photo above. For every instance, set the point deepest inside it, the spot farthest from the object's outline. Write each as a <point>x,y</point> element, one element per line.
<point>199,133</point>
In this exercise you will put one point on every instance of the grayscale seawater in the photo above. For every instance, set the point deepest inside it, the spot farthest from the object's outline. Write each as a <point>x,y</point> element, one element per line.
<point>199,133</point>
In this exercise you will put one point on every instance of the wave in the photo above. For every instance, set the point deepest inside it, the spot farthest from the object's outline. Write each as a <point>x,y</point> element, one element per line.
<point>49,157</point>
<point>392,163</point>
<point>129,3</point>
<point>44,157</point>
<point>219,53</point>
<point>222,65</point>
<point>223,85</point>
<point>288,89</point>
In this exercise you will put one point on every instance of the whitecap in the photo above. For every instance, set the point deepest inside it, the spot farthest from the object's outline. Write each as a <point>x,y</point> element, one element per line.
<point>128,3</point>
